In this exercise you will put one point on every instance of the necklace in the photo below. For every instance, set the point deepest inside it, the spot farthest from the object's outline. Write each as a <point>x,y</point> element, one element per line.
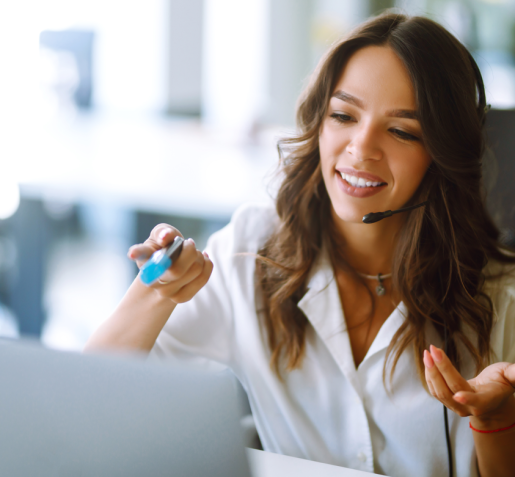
<point>380,289</point>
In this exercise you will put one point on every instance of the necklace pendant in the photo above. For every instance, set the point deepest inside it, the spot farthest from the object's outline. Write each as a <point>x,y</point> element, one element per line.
<point>380,289</point>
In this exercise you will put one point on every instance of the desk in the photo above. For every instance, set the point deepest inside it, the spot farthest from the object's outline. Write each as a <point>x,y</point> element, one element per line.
<point>266,464</point>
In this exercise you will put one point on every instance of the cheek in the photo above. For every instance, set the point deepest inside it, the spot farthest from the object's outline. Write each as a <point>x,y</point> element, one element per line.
<point>421,164</point>
<point>323,142</point>
<point>324,151</point>
<point>411,170</point>
<point>331,144</point>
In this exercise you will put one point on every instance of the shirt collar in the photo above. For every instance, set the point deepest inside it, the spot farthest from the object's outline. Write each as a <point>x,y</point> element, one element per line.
<point>322,306</point>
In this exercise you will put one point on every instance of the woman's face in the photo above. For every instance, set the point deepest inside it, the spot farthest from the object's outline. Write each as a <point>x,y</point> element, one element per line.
<point>371,151</point>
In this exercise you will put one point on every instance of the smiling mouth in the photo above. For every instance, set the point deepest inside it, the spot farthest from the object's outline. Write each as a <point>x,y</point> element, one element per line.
<point>359,182</point>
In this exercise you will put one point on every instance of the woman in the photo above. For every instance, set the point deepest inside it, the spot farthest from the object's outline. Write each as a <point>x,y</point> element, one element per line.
<point>328,329</point>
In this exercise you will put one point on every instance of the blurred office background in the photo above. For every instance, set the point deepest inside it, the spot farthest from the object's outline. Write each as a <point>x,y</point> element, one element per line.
<point>118,115</point>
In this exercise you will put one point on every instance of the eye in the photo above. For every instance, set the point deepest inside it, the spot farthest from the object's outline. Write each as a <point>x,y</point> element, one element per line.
<point>341,117</point>
<point>404,135</point>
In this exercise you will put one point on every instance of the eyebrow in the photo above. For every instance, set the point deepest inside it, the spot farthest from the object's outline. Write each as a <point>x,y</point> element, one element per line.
<point>403,113</point>
<point>348,98</point>
<point>394,113</point>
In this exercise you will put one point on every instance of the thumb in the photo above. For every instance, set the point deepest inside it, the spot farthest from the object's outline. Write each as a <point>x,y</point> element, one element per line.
<point>483,402</point>
<point>469,398</point>
<point>509,374</point>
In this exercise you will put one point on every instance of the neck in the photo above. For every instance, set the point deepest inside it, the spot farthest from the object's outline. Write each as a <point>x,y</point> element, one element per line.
<point>369,248</point>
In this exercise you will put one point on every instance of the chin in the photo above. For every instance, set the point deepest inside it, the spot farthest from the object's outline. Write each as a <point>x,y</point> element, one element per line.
<point>349,214</point>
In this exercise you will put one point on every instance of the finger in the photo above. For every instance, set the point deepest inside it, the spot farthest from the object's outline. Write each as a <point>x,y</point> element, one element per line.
<point>163,235</point>
<point>488,399</point>
<point>477,403</point>
<point>454,380</point>
<point>160,236</point>
<point>430,386</point>
<point>186,259</point>
<point>471,399</point>
<point>193,271</point>
<point>439,388</point>
<point>140,253</point>
<point>428,362</point>
<point>187,292</point>
<point>509,374</point>
<point>172,287</point>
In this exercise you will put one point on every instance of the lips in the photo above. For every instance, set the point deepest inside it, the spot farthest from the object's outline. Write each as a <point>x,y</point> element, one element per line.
<point>362,190</point>
<point>361,174</point>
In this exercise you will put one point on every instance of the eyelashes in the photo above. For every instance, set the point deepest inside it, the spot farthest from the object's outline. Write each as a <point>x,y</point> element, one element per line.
<point>341,118</point>
<point>404,135</point>
<point>345,118</point>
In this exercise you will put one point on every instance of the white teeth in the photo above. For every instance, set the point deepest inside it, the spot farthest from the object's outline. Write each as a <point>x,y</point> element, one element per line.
<point>358,182</point>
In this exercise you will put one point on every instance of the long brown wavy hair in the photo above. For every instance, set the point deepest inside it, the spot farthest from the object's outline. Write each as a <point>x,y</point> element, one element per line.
<point>441,250</point>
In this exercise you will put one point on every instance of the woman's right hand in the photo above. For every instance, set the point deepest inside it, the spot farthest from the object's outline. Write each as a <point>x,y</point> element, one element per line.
<point>191,271</point>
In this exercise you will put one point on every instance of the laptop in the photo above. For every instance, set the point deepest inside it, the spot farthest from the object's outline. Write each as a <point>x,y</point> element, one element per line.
<point>67,414</point>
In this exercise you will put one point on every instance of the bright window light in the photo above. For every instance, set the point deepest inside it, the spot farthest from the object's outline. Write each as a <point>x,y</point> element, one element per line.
<point>9,198</point>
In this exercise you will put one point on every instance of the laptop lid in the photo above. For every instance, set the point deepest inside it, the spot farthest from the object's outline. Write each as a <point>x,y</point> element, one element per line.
<point>66,414</point>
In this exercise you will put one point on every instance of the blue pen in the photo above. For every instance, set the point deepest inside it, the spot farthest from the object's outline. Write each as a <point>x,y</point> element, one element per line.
<point>160,261</point>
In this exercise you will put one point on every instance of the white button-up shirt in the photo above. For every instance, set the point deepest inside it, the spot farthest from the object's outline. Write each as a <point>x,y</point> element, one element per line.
<point>326,411</point>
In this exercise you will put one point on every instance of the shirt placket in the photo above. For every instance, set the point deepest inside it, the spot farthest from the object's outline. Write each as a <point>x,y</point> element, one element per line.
<point>322,307</point>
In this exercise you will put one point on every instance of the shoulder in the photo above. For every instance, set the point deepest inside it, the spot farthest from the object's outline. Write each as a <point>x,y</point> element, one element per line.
<point>500,288</point>
<point>499,280</point>
<point>251,225</point>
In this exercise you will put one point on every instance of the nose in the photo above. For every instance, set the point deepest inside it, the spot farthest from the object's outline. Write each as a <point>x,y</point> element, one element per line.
<point>364,143</point>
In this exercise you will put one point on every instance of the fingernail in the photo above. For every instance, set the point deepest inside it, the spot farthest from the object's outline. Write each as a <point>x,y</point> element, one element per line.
<point>163,234</point>
<point>428,360</point>
<point>133,254</point>
<point>205,254</point>
<point>436,353</point>
<point>190,240</point>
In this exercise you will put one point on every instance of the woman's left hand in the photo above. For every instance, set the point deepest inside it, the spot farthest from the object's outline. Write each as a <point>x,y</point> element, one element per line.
<point>489,397</point>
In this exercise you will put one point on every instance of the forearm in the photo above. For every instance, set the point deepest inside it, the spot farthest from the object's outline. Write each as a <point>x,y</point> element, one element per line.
<point>496,451</point>
<point>136,322</point>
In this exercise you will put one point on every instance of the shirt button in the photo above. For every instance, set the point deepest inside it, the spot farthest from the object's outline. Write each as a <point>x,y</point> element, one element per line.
<point>362,457</point>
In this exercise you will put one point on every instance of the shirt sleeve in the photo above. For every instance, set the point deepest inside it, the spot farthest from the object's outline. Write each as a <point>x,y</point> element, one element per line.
<point>204,326</point>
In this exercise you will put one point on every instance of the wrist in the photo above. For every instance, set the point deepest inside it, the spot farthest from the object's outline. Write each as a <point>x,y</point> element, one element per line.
<point>162,298</point>
<point>152,296</point>
<point>500,419</point>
